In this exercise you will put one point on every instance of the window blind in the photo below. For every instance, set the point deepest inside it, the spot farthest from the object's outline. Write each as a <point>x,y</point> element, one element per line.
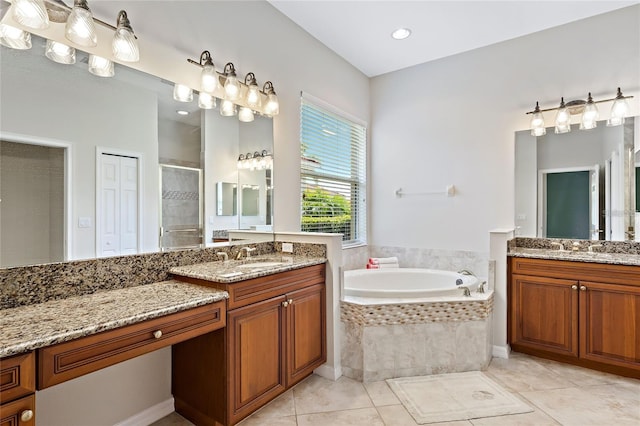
<point>333,173</point>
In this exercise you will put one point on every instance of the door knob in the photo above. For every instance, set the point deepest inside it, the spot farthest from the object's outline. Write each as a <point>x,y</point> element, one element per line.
<point>157,334</point>
<point>26,415</point>
<point>574,287</point>
<point>583,288</point>
<point>285,303</point>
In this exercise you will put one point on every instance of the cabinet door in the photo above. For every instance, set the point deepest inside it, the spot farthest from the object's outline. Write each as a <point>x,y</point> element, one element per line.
<point>545,314</point>
<point>610,323</point>
<point>306,332</point>
<point>255,356</point>
<point>19,413</point>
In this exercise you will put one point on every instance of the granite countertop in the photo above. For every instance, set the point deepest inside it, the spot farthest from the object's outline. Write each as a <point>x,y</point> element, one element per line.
<point>576,256</point>
<point>232,271</point>
<point>34,326</point>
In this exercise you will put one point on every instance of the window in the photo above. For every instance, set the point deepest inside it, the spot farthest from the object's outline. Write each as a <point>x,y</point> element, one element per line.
<point>333,172</point>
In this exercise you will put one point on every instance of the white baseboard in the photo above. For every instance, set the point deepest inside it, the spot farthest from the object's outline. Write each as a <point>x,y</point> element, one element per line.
<point>329,372</point>
<point>150,415</point>
<point>501,351</point>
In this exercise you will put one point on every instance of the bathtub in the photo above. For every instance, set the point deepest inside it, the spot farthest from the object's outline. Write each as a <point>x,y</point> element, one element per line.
<point>405,283</point>
<point>399,322</point>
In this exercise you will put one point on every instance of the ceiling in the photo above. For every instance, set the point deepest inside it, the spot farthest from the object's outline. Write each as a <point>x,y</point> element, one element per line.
<point>360,31</point>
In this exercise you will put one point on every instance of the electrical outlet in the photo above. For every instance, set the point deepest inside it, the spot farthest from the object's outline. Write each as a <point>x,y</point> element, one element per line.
<point>287,247</point>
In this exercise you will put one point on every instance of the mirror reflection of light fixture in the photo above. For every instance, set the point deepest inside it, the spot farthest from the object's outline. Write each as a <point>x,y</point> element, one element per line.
<point>100,66</point>
<point>254,98</point>
<point>563,118</point>
<point>60,52</point>
<point>231,84</point>
<point>206,101</point>
<point>587,110</point>
<point>273,106</point>
<point>80,27</point>
<point>31,14</point>
<point>228,108</point>
<point>537,122</point>
<point>124,44</point>
<point>182,93</point>
<point>257,161</point>
<point>14,38</point>
<point>245,115</point>
<point>590,115</point>
<point>57,11</point>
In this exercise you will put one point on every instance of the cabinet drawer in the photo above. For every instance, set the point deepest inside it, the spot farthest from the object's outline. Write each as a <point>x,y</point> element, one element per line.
<point>19,413</point>
<point>602,272</point>
<point>65,361</point>
<point>17,376</point>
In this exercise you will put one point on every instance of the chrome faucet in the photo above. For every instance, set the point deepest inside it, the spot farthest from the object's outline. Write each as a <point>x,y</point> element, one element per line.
<point>481,287</point>
<point>465,291</point>
<point>559,245</point>
<point>592,246</point>
<point>247,251</point>
<point>466,272</point>
<point>223,255</point>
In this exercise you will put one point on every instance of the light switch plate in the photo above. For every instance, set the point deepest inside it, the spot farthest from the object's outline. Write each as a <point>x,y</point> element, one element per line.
<point>287,247</point>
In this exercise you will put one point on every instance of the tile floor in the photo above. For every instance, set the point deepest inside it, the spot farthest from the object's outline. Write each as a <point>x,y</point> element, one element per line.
<point>560,395</point>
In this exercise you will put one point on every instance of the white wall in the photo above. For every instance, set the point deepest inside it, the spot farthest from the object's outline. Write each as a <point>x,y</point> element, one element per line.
<point>452,121</point>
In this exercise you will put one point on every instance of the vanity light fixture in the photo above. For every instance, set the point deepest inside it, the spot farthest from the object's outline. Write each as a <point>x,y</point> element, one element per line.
<point>125,44</point>
<point>31,14</point>
<point>272,107</point>
<point>206,101</point>
<point>208,76</point>
<point>182,93</point>
<point>245,115</point>
<point>14,38</point>
<point>587,110</point>
<point>259,160</point>
<point>228,108</point>
<point>80,27</point>
<point>254,99</point>
<point>100,66</point>
<point>60,52</point>
<point>231,84</point>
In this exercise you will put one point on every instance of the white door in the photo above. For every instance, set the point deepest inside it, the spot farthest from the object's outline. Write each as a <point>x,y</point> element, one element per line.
<point>118,205</point>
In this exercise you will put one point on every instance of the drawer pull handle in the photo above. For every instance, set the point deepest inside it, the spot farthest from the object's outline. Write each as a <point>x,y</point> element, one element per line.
<point>26,415</point>
<point>157,334</point>
<point>285,303</point>
<point>574,287</point>
<point>290,301</point>
<point>583,288</point>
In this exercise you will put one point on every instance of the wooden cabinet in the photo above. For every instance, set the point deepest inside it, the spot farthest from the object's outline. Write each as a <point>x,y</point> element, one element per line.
<point>17,387</point>
<point>587,314</point>
<point>275,337</point>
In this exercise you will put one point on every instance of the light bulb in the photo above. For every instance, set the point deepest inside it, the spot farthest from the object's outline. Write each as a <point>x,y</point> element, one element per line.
<point>589,115</point>
<point>60,52</point>
<point>124,44</point>
<point>228,108</point>
<point>619,110</point>
<point>245,115</point>
<point>209,79</point>
<point>254,99</point>
<point>14,38</point>
<point>537,122</point>
<point>231,88</point>
<point>80,27</point>
<point>206,101</point>
<point>563,119</point>
<point>273,106</point>
<point>31,14</point>
<point>100,66</point>
<point>182,93</point>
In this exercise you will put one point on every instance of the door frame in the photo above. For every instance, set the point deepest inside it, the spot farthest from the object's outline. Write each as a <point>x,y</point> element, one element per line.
<point>542,191</point>
<point>100,150</point>
<point>68,172</point>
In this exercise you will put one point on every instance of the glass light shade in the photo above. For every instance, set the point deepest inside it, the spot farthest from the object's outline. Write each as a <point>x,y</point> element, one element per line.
<point>254,99</point>
<point>14,38</point>
<point>209,79</point>
<point>589,117</point>
<point>31,13</point>
<point>231,88</point>
<point>537,125</point>
<point>206,101</point>
<point>619,110</point>
<point>228,108</point>
<point>272,107</point>
<point>245,115</point>
<point>182,93</point>
<point>80,27</point>
<point>60,52</point>
<point>125,45</point>
<point>563,121</point>
<point>100,66</point>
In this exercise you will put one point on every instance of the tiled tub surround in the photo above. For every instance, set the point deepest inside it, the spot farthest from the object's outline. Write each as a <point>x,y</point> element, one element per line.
<point>435,336</point>
<point>611,252</point>
<point>35,326</point>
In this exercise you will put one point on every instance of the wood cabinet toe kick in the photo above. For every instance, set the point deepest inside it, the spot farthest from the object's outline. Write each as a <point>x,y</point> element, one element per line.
<point>65,361</point>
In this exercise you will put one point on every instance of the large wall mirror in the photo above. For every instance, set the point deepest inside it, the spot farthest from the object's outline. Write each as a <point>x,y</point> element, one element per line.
<point>113,165</point>
<point>578,185</point>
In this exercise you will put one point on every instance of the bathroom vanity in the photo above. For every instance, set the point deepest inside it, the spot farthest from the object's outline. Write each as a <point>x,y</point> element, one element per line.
<point>577,306</point>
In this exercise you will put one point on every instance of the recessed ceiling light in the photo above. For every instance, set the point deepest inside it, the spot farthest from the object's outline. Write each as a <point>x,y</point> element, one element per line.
<point>401,33</point>
<point>182,112</point>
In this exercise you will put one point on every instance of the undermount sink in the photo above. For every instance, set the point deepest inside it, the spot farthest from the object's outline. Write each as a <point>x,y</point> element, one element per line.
<point>260,264</point>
